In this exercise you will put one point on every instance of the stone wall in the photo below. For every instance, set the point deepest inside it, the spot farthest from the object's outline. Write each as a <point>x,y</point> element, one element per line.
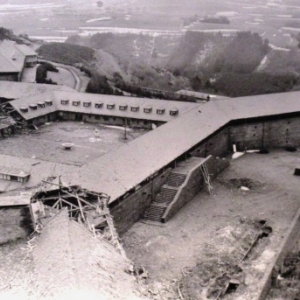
<point>274,133</point>
<point>217,145</point>
<point>291,237</point>
<point>132,208</point>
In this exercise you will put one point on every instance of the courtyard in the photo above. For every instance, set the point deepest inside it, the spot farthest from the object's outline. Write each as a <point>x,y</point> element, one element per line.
<point>90,142</point>
<point>212,227</point>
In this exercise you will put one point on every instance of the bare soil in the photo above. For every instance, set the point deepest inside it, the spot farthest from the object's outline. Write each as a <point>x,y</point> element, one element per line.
<point>62,77</point>
<point>213,226</point>
<point>90,141</point>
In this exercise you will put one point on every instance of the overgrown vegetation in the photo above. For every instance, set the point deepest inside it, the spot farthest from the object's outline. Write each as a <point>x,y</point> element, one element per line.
<point>209,63</point>
<point>65,53</point>
<point>41,73</point>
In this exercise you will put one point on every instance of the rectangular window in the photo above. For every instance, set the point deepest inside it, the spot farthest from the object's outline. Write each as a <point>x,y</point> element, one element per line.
<point>160,111</point>
<point>123,107</point>
<point>86,104</point>
<point>76,103</point>
<point>64,102</point>
<point>49,103</point>
<point>110,106</point>
<point>148,110</point>
<point>173,112</point>
<point>134,108</point>
<point>98,105</point>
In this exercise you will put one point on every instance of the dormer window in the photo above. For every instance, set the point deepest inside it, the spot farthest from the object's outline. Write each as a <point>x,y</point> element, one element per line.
<point>160,111</point>
<point>87,104</point>
<point>174,112</point>
<point>135,108</point>
<point>76,103</point>
<point>33,106</point>
<point>148,110</point>
<point>41,104</point>
<point>123,107</point>
<point>64,102</point>
<point>24,109</point>
<point>98,105</point>
<point>110,106</point>
<point>49,102</point>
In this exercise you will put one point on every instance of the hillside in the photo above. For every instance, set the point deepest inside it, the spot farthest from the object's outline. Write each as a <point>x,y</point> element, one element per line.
<point>70,54</point>
<point>233,65</point>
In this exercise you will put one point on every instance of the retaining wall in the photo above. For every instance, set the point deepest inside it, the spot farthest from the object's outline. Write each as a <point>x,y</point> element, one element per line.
<point>274,133</point>
<point>132,208</point>
<point>194,183</point>
<point>291,237</point>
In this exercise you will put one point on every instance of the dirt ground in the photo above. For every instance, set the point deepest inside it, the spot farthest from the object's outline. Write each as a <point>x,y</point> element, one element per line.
<point>90,141</point>
<point>211,226</point>
<point>63,77</point>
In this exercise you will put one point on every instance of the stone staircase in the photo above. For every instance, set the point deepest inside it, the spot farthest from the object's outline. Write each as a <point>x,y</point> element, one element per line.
<point>157,208</point>
<point>166,195</point>
<point>175,179</point>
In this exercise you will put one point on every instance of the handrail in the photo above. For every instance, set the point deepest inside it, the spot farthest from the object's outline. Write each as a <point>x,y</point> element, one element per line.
<point>184,184</point>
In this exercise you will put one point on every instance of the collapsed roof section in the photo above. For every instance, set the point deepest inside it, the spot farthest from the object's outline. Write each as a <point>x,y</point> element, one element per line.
<point>84,267</point>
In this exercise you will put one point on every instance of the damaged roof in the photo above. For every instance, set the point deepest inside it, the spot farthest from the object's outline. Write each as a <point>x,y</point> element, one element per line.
<point>65,261</point>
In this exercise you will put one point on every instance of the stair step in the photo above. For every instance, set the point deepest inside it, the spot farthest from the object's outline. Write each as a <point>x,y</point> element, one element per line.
<point>175,179</point>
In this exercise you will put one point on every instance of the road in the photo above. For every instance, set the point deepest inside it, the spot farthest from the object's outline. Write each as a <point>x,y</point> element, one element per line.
<point>78,86</point>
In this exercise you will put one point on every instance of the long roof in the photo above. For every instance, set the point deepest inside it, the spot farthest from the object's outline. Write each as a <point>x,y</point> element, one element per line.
<point>122,169</point>
<point>125,167</point>
<point>115,173</point>
<point>58,96</point>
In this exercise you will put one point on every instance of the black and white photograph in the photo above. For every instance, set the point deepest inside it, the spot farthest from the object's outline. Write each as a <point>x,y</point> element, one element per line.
<point>150,149</point>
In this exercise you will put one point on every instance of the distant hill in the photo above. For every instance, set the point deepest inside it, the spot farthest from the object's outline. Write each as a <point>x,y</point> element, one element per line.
<point>7,34</point>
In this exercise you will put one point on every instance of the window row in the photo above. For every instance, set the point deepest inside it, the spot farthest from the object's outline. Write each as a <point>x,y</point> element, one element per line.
<point>33,106</point>
<point>122,107</point>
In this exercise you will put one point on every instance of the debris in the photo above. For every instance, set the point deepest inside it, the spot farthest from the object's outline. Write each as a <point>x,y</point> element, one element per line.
<point>244,188</point>
<point>86,207</point>
<point>290,149</point>
<point>237,155</point>
<point>263,151</point>
<point>67,146</point>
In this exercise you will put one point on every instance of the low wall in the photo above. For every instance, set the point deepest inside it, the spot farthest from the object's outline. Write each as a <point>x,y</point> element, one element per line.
<point>132,208</point>
<point>193,184</point>
<point>291,237</point>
